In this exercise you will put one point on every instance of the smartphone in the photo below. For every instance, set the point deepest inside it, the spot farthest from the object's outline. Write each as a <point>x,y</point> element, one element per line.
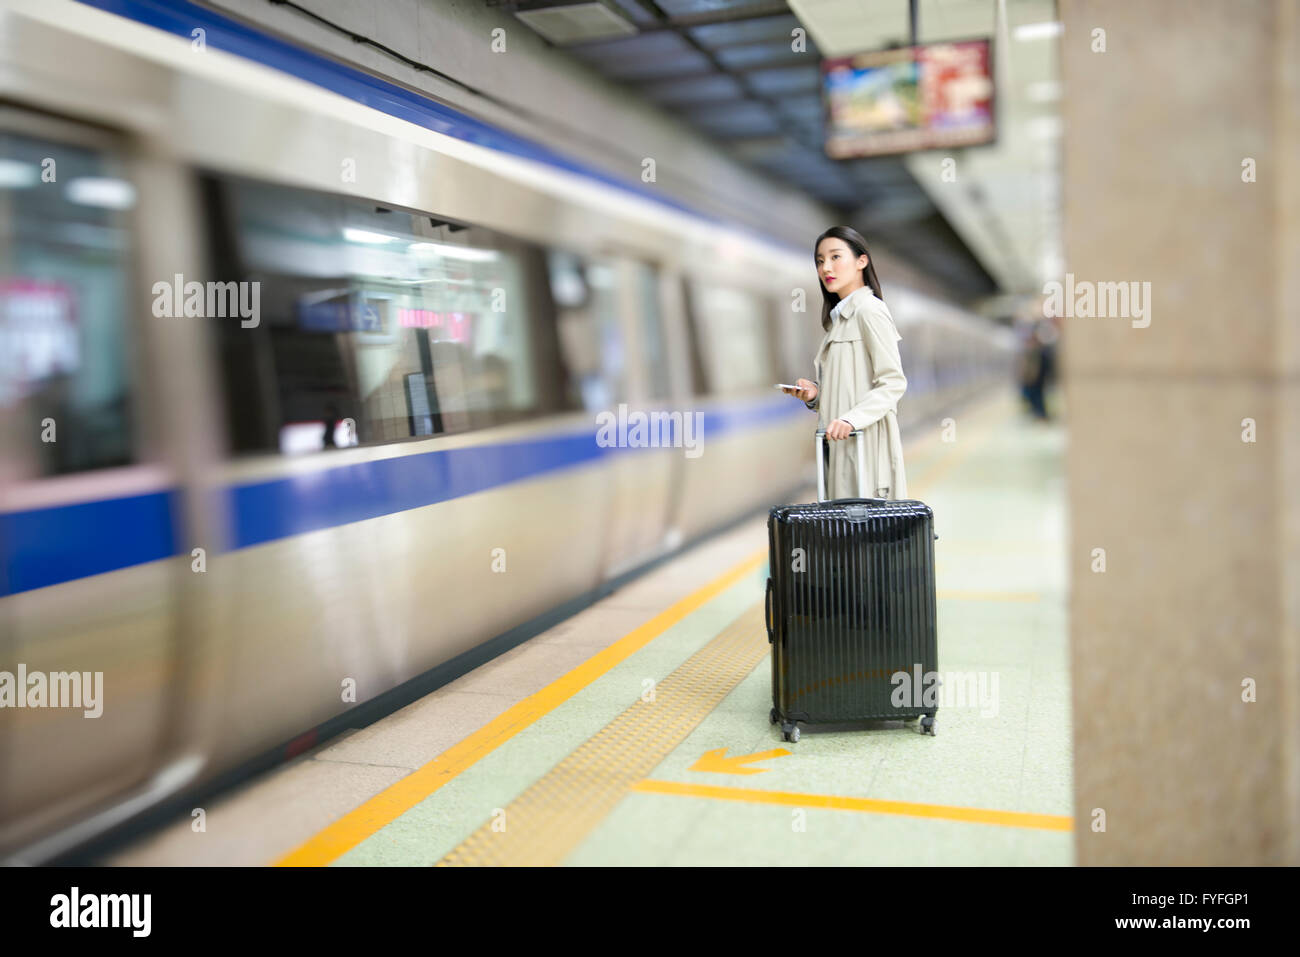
<point>782,385</point>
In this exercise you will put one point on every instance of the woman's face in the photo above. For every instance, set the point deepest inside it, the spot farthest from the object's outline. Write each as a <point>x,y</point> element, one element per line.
<point>837,267</point>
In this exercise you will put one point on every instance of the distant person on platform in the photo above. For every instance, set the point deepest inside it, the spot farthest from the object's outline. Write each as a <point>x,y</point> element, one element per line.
<point>859,374</point>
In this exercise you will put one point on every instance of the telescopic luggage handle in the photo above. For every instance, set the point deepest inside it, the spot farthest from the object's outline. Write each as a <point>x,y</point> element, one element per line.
<point>821,465</point>
<point>853,512</point>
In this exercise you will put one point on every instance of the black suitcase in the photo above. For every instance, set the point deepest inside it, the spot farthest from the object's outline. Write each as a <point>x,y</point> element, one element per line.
<point>851,610</point>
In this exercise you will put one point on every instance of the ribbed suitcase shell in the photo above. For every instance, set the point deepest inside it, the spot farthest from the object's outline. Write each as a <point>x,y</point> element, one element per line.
<point>863,609</point>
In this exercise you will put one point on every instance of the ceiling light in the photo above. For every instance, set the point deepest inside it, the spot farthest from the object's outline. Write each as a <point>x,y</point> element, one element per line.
<point>455,252</point>
<point>102,191</point>
<point>16,175</point>
<point>1038,31</point>
<point>366,236</point>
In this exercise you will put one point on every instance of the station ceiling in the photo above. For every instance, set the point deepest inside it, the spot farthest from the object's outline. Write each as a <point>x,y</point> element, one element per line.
<point>728,68</point>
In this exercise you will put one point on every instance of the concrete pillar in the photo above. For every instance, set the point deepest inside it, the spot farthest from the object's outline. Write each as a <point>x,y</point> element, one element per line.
<point>1200,595</point>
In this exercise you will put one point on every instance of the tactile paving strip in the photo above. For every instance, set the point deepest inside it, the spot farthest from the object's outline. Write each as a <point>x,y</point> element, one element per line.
<point>547,821</point>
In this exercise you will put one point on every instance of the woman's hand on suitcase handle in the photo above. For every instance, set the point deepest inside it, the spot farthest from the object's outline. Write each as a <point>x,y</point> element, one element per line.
<point>839,429</point>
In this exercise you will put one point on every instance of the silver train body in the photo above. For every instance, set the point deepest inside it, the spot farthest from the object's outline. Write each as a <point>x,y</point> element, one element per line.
<point>456,321</point>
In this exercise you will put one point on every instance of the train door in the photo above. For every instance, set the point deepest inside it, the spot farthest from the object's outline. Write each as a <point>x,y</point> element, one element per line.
<point>88,504</point>
<point>646,453</point>
<point>680,356</point>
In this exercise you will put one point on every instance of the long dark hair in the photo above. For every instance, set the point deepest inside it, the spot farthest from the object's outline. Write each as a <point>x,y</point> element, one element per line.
<point>859,247</point>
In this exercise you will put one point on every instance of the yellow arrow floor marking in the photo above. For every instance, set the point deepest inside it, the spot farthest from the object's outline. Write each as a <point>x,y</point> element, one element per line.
<point>717,762</point>
<point>973,815</point>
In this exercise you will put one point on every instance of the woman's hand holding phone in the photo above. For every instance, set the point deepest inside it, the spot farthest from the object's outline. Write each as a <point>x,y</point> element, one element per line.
<point>803,389</point>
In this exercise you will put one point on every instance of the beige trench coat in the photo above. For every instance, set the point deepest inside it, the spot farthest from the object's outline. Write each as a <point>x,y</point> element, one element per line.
<point>860,379</point>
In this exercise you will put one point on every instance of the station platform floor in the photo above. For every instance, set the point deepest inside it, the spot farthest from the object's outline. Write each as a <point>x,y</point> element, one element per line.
<point>637,733</point>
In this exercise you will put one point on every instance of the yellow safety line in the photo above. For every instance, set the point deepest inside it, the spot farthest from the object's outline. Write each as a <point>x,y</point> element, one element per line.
<point>1044,822</point>
<point>546,822</point>
<point>400,797</point>
<point>395,800</point>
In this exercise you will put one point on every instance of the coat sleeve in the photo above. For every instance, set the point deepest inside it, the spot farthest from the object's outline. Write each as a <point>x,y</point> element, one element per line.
<point>812,403</point>
<point>888,383</point>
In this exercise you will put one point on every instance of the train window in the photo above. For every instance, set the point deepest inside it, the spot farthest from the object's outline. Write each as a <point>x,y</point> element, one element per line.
<point>65,301</point>
<point>376,325</point>
<point>585,292</point>
<point>733,338</point>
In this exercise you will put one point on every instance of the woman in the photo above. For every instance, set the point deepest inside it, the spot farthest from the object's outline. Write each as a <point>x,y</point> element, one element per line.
<point>859,376</point>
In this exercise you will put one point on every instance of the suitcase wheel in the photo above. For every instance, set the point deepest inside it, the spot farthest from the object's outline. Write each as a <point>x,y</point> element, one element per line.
<point>927,724</point>
<point>790,732</point>
<point>773,717</point>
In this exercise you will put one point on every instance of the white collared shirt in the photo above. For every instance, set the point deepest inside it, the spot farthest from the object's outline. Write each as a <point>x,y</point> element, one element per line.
<point>835,310</point>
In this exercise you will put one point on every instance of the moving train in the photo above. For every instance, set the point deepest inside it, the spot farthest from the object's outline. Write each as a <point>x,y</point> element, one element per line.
<point>298,402</point>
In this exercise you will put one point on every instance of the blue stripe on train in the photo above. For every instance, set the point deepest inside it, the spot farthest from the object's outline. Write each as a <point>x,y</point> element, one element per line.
<point>47,546</point>
<point>297,504</point>
<point>303,503</point>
